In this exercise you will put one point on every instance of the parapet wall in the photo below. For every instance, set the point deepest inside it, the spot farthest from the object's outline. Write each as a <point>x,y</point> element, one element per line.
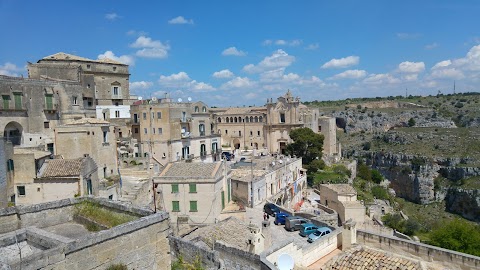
<point>425,252</point>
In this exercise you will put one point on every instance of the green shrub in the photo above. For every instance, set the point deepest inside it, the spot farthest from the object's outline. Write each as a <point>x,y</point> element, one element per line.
<point>377,177</point>
<point>380,193</point>
<point>119,266</point>
<point>411,122</point>
<point>458,235</point>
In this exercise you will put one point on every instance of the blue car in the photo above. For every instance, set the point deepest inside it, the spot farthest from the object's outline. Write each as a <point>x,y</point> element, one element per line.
<point>318,233</point>
<point>280,218</point>
<point>307,229</point>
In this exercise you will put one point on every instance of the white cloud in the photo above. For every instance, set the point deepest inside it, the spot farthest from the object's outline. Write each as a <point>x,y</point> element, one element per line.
<point>472,60</point>
<point>350,74</point>
<point>9,69</point>
<point>411,67</point>
<point>141,85</point>
<point>431,46</point>
<point>112,16</point>
<point>408,35</point>
<point>447,73</point>
<point>278,59</point>
<point>125,59</point>
<point>238,82</point>
<point>150,48</point>
<point>282,42</point>
<point>180,20</point>
<point>251,95</point>
<point>182,81</point>
<point>442,64</point>
<point>312,46</point>
<point>342,62</point>
<point>222,74</point>
<point>377,79</point>
<point>233,51</point>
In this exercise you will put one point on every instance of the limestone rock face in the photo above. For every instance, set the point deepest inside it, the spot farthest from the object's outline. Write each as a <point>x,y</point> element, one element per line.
<point>465,202</point>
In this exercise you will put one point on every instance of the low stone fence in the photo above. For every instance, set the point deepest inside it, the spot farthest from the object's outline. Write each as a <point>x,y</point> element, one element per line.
<point>426,252</point>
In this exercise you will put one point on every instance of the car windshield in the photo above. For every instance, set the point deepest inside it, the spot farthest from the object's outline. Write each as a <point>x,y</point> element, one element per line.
<point>317,233</point>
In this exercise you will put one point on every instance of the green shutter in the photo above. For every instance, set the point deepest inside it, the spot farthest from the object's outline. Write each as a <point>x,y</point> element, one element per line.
<point>174,188</point>
<point>175,206</point>
<point>193,188</point>
<point>18,101</point>
<point>223,199</point>
<point>49,101</point>
<point>6,102</point>
<point>193,206</point>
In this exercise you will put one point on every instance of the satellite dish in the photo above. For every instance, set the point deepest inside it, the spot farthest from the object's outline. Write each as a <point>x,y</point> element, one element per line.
<point>285,262</point>
<point>140,98</point>
<point>179,99</point>
<point>189,99</point>
<point>154,99</point>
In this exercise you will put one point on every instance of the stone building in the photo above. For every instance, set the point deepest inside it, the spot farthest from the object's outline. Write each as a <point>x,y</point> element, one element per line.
<point>89,137</point>
<point>172,131</point>
<point>343,199</point>
<point>57,179</point>
<point>266,178</point>
<point>194,193</point>
<point>264,128</point>
<point>7,191</point>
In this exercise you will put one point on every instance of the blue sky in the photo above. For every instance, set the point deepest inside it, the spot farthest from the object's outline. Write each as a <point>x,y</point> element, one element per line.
<point>235,53</point>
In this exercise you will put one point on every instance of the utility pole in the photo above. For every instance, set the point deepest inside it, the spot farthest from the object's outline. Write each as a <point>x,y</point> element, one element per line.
<point>454,87</point>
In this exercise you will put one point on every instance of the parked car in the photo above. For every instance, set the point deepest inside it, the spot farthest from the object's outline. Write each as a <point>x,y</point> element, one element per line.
<point>280,218</point>
<point>318,233</point>
<point>307,229</point>
<point>271,209</point>
<point>294,223</point>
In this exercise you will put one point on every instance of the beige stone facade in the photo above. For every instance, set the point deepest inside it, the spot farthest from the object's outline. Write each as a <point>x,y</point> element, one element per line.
<point>89,137</point>
<point>56,179</point>
<point>343,199</point>
<point>7,167</point>
<point>194,193</point>
<point>172,131</point>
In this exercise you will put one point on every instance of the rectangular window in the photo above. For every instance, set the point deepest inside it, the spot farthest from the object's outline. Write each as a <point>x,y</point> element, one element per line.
<point>146,130</point>
<point>159,115</point>
<point>6,102</point>
<point>193,206</point>
<point>49,101</point>
<point>175,206</point>
<point>153,115</point>
<point>135,118</point>
<point>10,166</point>
<point>251,133</point>
<point>46,124</point>
<point>21,190</point>
<point>105,137</point>
<point>226,131</point>
<point>174,188</point>
<point>153,130</point>
<point>160,130</point>
<point>117,114</point>
<point>18,101</point>
<point>136,130</point>
<point>88,66</point>
<point>144,116</point>
<point>192,188</point>
<point>282,118</point>
<point>258,133</point>
<point>115,90</point>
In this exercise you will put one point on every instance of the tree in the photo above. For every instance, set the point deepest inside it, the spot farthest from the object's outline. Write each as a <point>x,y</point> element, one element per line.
<point>315,165</point>
<point>458,235</point>
<point>306,144</point>
<point>364,172</point>
<point>411,122</point>
<point>377,177</point>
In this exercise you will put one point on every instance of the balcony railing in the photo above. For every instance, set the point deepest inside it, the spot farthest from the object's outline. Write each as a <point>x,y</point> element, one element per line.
<point>50,107</point>
<point>185,120</point>
<point>203,153</point>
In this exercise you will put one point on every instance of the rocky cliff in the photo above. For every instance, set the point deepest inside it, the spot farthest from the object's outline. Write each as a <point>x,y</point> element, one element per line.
<point>465,202</point>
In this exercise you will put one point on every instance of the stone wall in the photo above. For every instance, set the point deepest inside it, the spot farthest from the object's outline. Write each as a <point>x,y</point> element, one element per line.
<point>425,252</point>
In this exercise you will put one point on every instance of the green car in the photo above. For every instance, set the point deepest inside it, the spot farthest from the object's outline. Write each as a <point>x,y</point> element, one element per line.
<point>307,229</point>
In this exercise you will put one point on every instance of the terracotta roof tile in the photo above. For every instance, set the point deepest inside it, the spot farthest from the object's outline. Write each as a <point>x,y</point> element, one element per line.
<point>62,167</point>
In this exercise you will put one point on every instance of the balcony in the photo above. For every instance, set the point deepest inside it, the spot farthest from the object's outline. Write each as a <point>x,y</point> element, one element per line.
<point>202,133</point>
<point>185,135</point>
<point>50,107</point>
<point>189,157</point>
<point>186,120</point>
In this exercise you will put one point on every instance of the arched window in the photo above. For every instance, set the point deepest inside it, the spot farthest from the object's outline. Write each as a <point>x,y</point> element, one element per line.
<point>260,119</point>
<point>201,129</point>
<point>246,118</point>
<point>196,109</point>
<point>256,119</point>
<point>204,109</point>
<point>203,150</point>
<point>231,119</point>
<point>235,119</point>
<point>240,119</point>
<point>228,120</point>
<point>251,119</point>
<point>219,120</point>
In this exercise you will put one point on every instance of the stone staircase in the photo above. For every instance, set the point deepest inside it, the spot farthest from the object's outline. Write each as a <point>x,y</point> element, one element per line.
<point>133,182</point>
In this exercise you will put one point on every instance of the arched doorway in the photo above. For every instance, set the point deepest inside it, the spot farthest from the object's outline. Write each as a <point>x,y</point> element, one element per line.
<point>255,145</point>
<point>236,143</point>
<point>13,132</point>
